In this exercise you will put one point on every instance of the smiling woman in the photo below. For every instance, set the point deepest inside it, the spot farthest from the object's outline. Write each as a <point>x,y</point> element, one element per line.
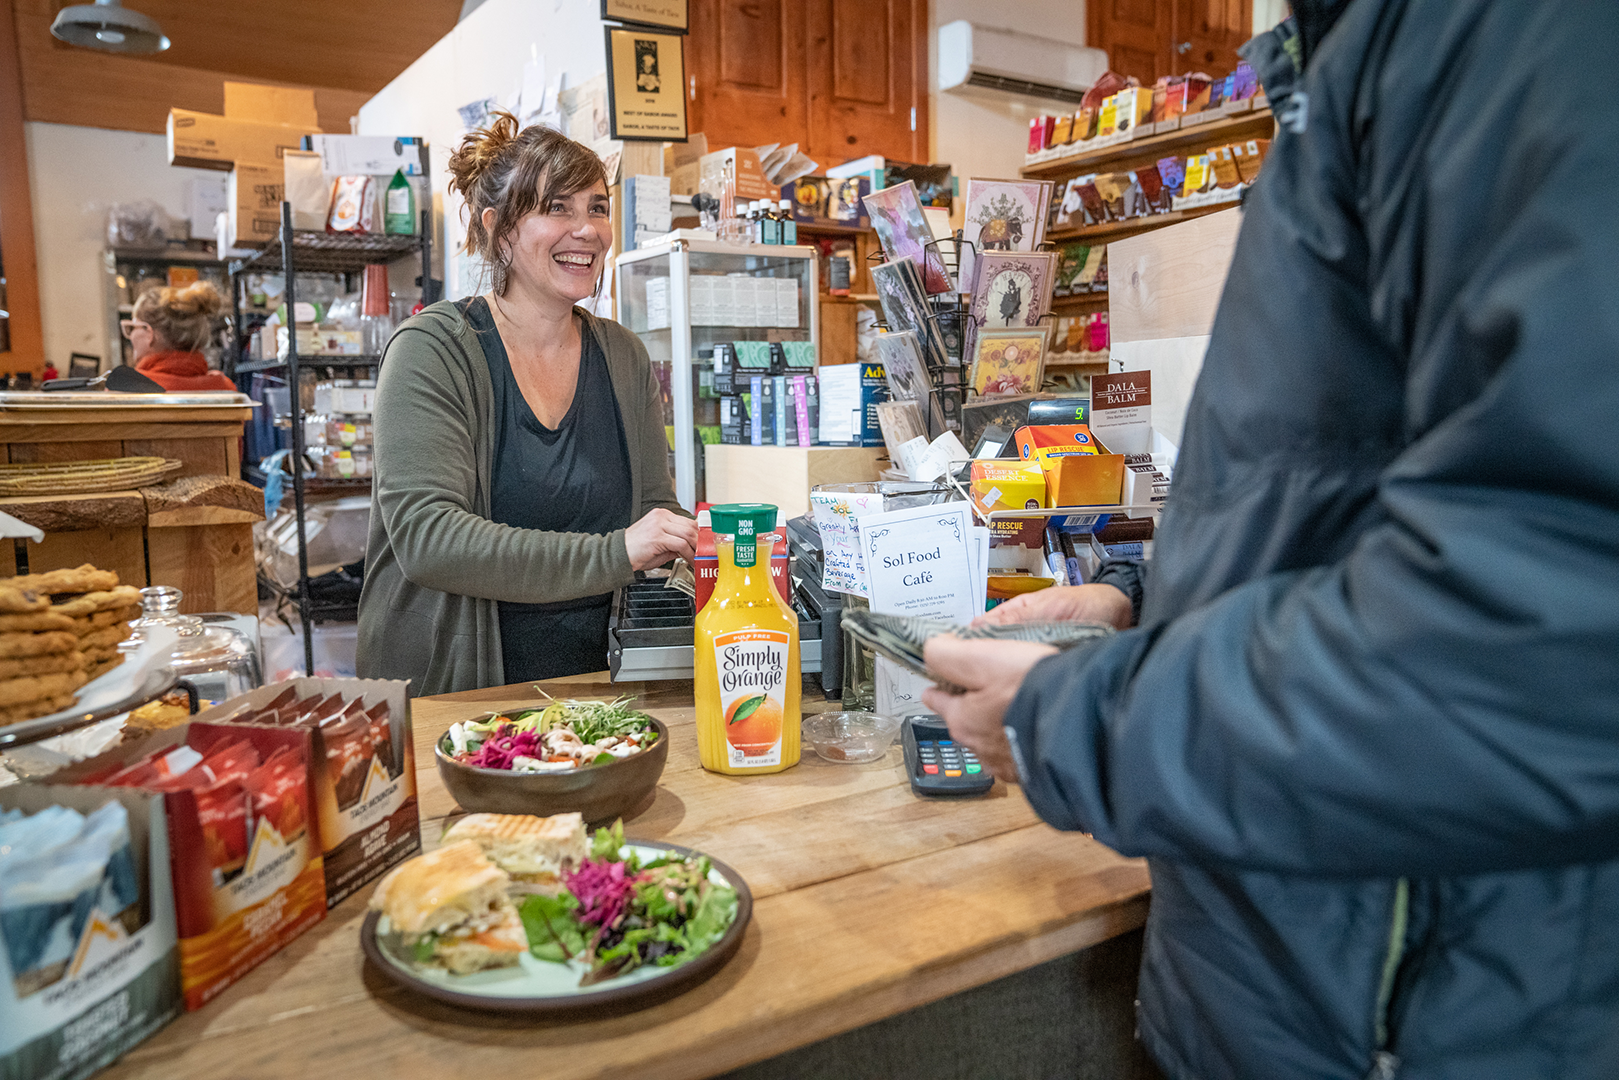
<point>521,469</point>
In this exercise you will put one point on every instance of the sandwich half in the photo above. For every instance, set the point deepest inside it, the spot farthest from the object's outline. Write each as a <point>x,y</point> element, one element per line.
<point>451,909</point>
<point>535,852</point>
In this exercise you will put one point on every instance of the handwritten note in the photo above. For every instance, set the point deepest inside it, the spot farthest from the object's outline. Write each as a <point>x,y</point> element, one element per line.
<point>837,517</point>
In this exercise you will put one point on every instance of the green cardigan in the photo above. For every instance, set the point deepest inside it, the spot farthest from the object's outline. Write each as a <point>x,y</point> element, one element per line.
<point>435,563</point>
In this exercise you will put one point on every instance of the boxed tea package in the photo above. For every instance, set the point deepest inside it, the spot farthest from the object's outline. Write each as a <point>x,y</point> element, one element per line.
<point>89,964</point>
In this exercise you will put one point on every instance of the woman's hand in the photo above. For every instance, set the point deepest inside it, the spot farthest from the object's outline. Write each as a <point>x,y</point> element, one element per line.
<point>991,672</point>
<point>1064,603</point>
<point>659,537</point>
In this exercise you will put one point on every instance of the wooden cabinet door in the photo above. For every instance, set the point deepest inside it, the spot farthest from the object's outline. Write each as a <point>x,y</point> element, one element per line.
<point>1137,36</point>
<point>1153,38</point>
<point>868,79</point>
<point>748,76</point>
<point>1208,33</point>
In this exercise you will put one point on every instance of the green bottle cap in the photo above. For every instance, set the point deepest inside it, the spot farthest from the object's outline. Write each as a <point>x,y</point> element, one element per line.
<point>745,521</point>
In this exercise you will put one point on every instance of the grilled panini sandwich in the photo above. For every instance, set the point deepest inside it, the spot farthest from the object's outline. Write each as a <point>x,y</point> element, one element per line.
<point>534,852</point>
<point>452,910</point>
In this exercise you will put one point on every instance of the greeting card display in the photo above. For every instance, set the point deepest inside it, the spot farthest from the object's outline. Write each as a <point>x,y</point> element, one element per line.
<point>1013,288</point>
<point>1003,215</point>
<point>905,307</point>
<point>902,228</point>
<point>1009,361</point>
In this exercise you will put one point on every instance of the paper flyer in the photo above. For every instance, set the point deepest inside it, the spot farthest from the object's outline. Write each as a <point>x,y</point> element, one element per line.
<point>919,562</point>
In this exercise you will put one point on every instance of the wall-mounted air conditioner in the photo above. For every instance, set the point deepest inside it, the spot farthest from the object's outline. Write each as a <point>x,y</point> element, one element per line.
<point>979,58</point>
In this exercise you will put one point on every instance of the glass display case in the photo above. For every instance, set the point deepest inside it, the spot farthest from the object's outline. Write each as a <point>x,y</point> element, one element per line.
<point>682,297</point>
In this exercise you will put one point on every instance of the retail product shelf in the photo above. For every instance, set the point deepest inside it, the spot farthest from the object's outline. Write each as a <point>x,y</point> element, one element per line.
<point>303,251</point>
<point>333,253</point>
<point>1251,124</point>
<point>1118,230</point>
<point>310,362</point>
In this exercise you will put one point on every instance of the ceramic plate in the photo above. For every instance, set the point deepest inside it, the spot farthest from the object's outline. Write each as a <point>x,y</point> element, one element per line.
<point>542,986</point>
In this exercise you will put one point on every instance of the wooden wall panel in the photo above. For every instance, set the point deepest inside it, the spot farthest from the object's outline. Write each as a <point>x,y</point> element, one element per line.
<point>1167,283</point>
<point>123,550</point>
<point>211,564</point>
<point>346,56</point>
<point>23,328</point>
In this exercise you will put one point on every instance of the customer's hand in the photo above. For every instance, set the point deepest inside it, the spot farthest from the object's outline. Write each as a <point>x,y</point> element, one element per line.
<point>991,672</point>
<point>1064,603</point>
<point>659,537</point>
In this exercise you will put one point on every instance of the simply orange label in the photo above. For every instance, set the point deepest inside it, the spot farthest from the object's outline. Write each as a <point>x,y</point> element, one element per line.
<point>752,670</point>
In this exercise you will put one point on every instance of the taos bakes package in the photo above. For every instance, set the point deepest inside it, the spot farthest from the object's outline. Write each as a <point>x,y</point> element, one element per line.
<point>246,863</point>
<point>88,961</point>
<point>364,776</point>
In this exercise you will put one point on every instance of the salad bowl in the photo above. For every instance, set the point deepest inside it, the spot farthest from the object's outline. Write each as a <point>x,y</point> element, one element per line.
<point>600,793</point>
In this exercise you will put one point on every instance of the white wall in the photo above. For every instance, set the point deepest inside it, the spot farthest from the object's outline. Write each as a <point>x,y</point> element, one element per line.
<point>987,135</point>
<point>483,57</point>
<point>74,175</point>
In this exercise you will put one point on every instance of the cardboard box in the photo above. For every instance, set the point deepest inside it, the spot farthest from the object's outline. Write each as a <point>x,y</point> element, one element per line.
<point>259,125</point>
<point>306,853</point>
<point>997,484</point>
<point>682,164</point>
<point>1085,480</point>
<point>364,828</point>
<point>253,196</point>
<point>737,161</point>
<point>1121,410</point>
<point>290,105</point>
<point>706,566</point>
<point>121,982</point>
<point>371,155</point>
<point>850,394</point>
<point>1015,569</point>
<point>1078,469</point>
<point>229,921</point>
<point>204,141</point>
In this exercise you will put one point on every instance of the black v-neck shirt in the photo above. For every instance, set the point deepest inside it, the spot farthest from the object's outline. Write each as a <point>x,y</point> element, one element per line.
<point>573,478</point>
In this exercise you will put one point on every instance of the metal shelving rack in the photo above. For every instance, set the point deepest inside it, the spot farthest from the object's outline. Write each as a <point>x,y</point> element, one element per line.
<point>306,251</point>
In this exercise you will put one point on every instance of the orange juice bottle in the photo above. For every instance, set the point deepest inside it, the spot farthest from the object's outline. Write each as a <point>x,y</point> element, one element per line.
<point>747,652</point>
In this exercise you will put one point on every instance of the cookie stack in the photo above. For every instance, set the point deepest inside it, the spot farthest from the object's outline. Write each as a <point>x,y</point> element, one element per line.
<point>59,630</point>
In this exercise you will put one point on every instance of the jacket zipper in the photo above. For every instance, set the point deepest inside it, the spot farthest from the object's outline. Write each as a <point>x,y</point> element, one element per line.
<point>1385,1063</point>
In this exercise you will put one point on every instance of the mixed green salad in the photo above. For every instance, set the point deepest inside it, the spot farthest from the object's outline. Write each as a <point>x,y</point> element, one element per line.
<point>619,913</point>
<point>563,736</point>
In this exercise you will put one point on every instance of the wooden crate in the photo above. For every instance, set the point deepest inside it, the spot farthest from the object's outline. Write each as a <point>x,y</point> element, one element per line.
<point>205,550</point>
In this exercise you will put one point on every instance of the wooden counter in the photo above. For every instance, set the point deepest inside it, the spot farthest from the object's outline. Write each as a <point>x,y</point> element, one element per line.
<point>868,901</point>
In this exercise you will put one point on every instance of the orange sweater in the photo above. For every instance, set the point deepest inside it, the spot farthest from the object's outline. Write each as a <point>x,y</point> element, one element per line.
<point>182,371</point>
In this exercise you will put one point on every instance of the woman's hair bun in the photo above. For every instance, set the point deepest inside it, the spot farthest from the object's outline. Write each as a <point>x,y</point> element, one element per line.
<point>480,149</point>
<point>198,298</point>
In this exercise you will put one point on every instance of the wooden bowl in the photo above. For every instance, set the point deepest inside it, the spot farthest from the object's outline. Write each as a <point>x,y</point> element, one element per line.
<point>600,793</point>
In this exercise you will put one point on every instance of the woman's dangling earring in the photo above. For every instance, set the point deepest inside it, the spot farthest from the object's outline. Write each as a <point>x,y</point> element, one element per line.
<point>497,278</point>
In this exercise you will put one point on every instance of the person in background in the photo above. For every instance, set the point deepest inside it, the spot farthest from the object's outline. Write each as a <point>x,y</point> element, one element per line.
<point>168,330</point>
<point>521,465</point>
<point>1366,726</point>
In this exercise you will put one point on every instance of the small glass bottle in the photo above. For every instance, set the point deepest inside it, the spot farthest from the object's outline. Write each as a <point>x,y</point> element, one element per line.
<point>789,226</point>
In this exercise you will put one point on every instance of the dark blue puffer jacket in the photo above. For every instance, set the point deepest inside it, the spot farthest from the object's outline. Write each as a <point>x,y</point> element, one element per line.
<point>1367,732</point>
